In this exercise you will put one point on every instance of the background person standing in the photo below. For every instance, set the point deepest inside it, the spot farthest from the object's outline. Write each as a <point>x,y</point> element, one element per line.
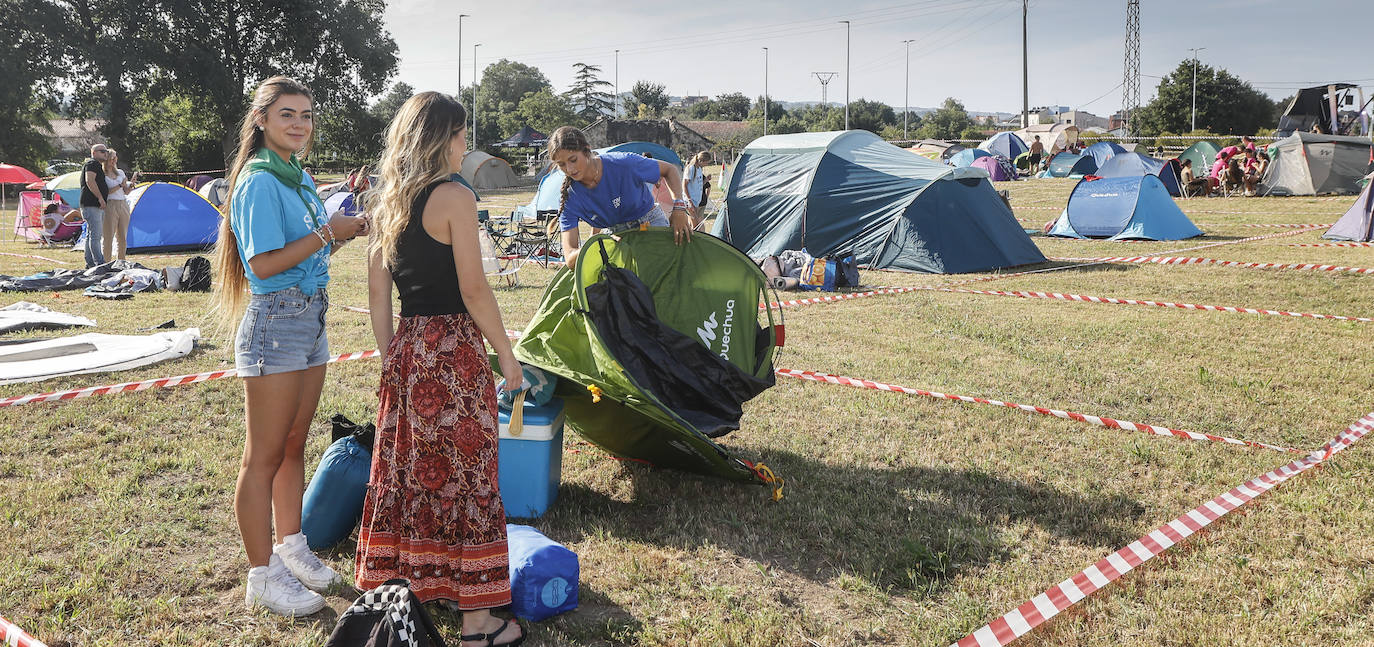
<point>116,208</point>
<point>94,191</point>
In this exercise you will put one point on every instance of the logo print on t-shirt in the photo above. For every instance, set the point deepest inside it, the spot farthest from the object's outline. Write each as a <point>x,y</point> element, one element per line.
<point>616,202</point>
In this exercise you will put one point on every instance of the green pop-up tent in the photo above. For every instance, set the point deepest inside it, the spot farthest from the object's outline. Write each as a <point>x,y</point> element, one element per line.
<point>658,346</point>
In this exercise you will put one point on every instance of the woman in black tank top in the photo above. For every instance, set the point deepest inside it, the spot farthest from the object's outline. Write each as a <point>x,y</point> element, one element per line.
<point>433,513</point>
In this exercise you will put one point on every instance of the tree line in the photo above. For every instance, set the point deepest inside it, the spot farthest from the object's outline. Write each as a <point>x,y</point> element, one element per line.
<point>171,78</point>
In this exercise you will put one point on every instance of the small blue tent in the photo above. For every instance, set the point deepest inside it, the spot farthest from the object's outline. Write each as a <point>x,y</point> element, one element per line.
<point>1068,165</point>
<point>1006,144</point>
<point>1136,165</point>
<point>342,200</point>
<point>1102,151</point>
<point>1123,207</point>
<point>659,152</point>
<point>851,192</point>
<point>549,194</point>
<point>964,158</point>
<point>170,217</point>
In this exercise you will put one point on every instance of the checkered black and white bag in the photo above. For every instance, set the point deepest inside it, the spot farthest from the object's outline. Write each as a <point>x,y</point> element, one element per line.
<point>387,616</point>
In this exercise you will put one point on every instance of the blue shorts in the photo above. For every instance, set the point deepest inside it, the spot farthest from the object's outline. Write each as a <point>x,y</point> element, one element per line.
<point>282,331</point>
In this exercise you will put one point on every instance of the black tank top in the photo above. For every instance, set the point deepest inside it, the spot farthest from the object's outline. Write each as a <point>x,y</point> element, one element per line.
<point>424,272</point>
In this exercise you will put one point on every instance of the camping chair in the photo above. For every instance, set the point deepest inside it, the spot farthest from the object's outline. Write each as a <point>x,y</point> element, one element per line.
<point>537,240</point>
<point>500,230</point>
<point>497,265</point>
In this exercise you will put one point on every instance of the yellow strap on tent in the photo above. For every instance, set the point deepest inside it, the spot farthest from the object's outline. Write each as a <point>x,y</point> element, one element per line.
<point>769,477</point>
<point>644,226</point>
<point>516,426</point>
<point>596,392</point>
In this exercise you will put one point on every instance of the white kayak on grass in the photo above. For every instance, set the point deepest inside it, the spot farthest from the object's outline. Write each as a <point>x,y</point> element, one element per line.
<point>23,315</point>
<point>91,353</point>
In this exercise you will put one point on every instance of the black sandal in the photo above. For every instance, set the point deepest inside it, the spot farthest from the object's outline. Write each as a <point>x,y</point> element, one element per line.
<point>491,637</point>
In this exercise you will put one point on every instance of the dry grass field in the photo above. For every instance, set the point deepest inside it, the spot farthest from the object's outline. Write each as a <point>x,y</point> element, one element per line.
<point>906,520</point>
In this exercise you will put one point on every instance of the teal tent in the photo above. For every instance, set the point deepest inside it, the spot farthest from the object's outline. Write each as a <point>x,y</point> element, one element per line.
<point>1070,165</point>
<point>1203,154</point>
<point>657,346</point>
<point>851,192</point>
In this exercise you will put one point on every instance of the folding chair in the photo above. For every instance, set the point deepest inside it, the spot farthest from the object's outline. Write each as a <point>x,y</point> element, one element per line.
<point>497,265</point>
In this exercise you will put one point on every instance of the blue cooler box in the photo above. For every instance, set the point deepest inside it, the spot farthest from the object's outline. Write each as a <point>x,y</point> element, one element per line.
<point>531,464</point>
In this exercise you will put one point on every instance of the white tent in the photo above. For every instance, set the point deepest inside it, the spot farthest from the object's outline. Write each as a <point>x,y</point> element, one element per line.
<point>483,171</point>
<point>1055,137</point>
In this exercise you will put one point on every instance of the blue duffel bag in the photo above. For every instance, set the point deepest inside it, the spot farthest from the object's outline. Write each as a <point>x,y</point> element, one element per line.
<point>543,574</point>
<point>333,503</point>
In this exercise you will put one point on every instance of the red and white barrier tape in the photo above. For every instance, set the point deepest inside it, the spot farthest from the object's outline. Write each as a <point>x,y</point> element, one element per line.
<point>842,297</point>
<point>1330,245</point>
<point>1100,421</point>
<point>35,256</point>
<point>1031,614</point>
<point>1161,304</point>
<point>1236,224</point>
<point>1089,262</point>
<point>512,334</point>
<point>12,636</point>
<point>1180,260</point>
<point>144,385</point>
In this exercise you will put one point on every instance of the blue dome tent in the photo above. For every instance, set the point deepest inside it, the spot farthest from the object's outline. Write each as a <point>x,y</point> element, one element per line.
<point>964,158</point>
<point>1006,144</point>
<point>852,192</point>
<point>170,217</point>
<point>1068,165</point>
<point>1103,151</point>
<point>1123,208</point>
<point>1137,165</point>
<point>659,152</point>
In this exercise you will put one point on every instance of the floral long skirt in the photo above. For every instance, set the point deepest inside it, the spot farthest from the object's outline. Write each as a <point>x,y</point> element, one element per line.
<point>433,514</point>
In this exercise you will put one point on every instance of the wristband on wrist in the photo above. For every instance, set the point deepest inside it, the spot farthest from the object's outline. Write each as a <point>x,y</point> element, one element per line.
<point>323,242</point>
<point>330,229</point>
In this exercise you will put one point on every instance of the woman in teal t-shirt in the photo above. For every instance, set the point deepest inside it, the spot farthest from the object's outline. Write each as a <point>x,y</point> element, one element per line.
<point>275,244</point>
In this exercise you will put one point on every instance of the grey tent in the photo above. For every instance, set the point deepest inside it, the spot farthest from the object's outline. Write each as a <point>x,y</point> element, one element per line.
<point>1358,223</point>
<point>1312,164</point>
<point>851,192</point>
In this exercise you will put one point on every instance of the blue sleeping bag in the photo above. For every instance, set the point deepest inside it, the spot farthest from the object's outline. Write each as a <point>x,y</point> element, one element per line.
<point>334,501</point>
<point>543,574</point>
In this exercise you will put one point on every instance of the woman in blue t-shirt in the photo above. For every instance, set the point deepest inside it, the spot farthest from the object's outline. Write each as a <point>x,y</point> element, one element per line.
<point>612,191</point>
<point>275,244</point>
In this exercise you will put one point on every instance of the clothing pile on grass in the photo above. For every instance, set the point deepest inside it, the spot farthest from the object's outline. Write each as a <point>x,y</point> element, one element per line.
<point>115,279</point>
<point>798,270</point>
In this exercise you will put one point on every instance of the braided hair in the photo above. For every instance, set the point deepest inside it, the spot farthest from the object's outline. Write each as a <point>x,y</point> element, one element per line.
<point>567,138</point>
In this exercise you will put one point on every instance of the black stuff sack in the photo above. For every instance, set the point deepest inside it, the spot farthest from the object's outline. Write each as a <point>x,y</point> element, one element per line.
<point>195,275</point>
<point>387,616</point>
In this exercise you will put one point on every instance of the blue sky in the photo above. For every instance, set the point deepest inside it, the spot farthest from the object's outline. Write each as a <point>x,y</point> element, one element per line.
<point>967,49</point>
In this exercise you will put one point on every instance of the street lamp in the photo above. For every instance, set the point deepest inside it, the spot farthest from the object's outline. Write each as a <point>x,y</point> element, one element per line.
<point>461,16</point>
<point>906,95</point>
<point>1195,51</point>
<point>615,107</point>
<point>846,74</point>
<point>765,92</point>
<point>474,95</point>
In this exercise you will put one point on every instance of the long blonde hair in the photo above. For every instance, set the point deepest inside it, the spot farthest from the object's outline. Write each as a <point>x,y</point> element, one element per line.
<point>229,270</point>
<point>111,168</point>
<point>415,156</point>
<point>567,138</point>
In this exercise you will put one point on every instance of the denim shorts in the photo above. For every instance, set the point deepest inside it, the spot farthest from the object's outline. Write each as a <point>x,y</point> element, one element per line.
<point>654,218</point>
<point>282,331</point>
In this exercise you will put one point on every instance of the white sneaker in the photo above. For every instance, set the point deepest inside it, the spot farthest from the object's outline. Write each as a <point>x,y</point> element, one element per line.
<point>313,573</point>
<point>274,588</point>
